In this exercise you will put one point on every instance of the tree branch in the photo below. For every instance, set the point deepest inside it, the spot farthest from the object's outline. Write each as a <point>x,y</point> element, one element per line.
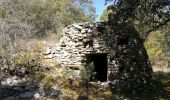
<point>155,28</point>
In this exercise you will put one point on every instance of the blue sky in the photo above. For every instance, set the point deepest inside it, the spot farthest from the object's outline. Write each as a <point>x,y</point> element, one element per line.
<point>99,4</point>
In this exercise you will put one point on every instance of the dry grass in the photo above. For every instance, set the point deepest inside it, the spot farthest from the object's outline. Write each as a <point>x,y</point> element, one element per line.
<point>164,69</point>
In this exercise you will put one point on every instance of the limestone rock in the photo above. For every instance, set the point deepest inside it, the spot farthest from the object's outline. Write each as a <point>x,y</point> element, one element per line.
<point>37,96</point>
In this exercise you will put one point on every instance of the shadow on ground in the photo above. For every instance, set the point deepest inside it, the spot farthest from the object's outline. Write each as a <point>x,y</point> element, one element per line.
<point>159,90</point>
<point>17,88</point>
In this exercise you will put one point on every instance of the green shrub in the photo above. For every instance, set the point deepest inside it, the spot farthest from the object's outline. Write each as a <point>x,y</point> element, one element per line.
<point>87,73</point>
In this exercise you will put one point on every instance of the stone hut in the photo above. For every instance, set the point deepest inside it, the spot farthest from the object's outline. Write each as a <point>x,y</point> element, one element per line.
<point>116,57</point>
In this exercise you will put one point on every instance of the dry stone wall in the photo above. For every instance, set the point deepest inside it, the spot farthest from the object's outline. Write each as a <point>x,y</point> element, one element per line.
<point>127,59</point>
<point>77,41</point>
<point>134,70</point>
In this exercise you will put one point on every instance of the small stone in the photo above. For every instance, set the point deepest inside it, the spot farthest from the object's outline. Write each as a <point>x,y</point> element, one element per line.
<point>49,56</point>
<point>3,83</point>
<point>77,26</point>
<point>105,84</point>
<point>55,87</point>
<point>83,31</point>
<point>9,81</point>
<point>37,96</point>
<point>24,80</point>
<point>27,95</point>
<point>15,78</point>
<point>90,31</point>
<point>15,82</point>
<point>48,51</point>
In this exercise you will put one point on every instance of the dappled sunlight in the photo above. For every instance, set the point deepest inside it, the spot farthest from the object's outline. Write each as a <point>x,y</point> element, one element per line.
<point>164,69</point>
<point>17,88</point>
<point>57,50</point>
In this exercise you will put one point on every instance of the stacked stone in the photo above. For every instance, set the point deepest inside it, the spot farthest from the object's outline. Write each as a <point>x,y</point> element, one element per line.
<point>76,42</point>
<point>133,67</point>
<point>128,64</point>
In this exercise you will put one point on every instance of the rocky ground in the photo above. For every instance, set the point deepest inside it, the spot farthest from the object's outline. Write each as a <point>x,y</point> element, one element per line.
<point>17,88</point>
<point>31,88</point>
<point>25,88</point>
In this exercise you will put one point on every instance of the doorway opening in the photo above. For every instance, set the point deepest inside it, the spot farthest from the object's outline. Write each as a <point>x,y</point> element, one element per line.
<point>99,72</point>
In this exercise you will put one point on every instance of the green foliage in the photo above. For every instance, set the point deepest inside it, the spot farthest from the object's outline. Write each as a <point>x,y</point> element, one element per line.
<point>151,20</point>
<point>21,64</point>
<point>104,16</point>
<point>87,73</point>
<point>32,18</point>
<point>152,14</point>
<point>79,11</point>
<point>156,45</point>
<point>47,15</point>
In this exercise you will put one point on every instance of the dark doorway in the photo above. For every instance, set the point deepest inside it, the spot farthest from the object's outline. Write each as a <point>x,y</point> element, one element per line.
<point>100,66</point>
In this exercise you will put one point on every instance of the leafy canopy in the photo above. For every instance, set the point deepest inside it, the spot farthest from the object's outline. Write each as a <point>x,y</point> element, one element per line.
<point>150,13</point>
<point>47,15</point>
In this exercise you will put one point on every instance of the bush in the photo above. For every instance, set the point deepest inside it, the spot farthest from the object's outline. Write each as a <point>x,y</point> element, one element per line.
<point>48,81</point>
<point>87,73</point>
